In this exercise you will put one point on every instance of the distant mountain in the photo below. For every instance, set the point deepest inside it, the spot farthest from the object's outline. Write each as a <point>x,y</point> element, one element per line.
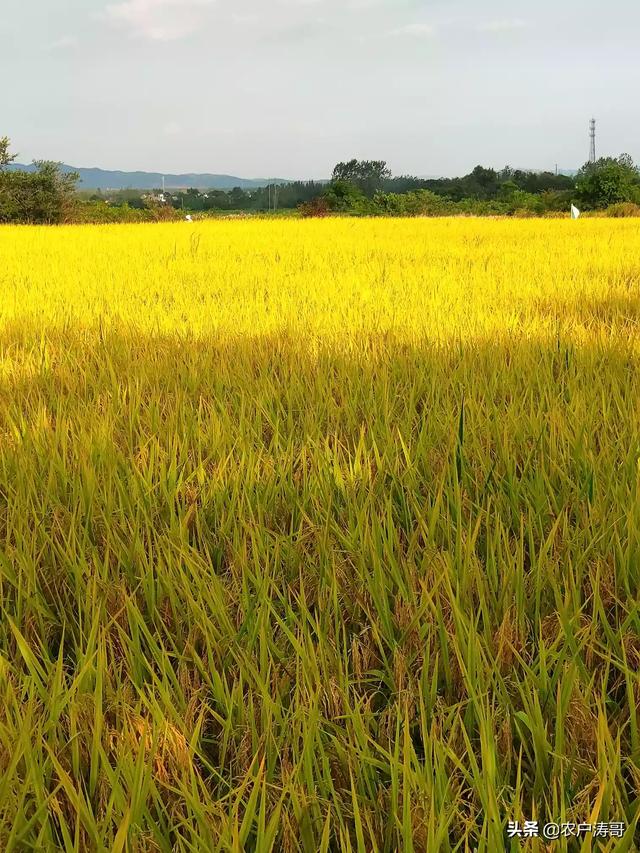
<point>104,179</point>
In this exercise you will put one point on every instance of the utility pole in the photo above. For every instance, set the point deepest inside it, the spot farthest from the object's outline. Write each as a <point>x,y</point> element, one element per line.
<point>592,137</point>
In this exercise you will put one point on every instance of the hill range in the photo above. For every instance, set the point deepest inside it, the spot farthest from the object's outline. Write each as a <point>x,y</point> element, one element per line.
<point>105,179</point>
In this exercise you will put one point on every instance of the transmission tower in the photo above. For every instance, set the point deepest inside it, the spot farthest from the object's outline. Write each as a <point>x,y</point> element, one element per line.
<point>592,136</point>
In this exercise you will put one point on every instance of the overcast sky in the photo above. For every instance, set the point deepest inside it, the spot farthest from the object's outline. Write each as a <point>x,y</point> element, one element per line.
<point>286,88</point>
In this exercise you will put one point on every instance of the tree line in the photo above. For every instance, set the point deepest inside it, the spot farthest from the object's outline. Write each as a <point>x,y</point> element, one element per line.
<point>368,188</point>
<point>357,187</point>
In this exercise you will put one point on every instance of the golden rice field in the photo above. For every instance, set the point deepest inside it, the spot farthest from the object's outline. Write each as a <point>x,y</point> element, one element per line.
<point>319,535</point>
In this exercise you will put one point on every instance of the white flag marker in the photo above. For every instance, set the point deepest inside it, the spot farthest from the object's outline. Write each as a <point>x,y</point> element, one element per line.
<point>575,213</point>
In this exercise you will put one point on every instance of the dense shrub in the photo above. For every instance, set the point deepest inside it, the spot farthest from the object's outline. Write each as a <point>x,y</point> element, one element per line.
<point>623,209</point>
<point>417,203</point>
<point>317,207</point>
<point>101,213</point>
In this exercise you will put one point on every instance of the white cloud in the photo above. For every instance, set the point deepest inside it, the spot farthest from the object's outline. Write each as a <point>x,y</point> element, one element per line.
<point>246,20</point>
<point>502,26</point>
<point>172,128</point>
<point>160,20</point>
<point>63,43</point>
<point>414,30</point>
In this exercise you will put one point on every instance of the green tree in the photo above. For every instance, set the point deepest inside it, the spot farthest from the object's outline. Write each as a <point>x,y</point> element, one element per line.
<point>54,196</point>
<point>482,183</point>
<point>5,157</point>
<point>46,195</point>
<point>368,175</point>
<point>610,180</point>
<point>507,190</point>
<point>343,196</point>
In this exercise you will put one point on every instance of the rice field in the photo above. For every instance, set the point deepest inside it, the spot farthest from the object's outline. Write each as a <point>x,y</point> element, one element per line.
<point>319,535</point>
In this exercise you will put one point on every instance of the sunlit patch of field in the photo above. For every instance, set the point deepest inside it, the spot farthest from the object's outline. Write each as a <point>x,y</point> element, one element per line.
<point>318,535</point>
